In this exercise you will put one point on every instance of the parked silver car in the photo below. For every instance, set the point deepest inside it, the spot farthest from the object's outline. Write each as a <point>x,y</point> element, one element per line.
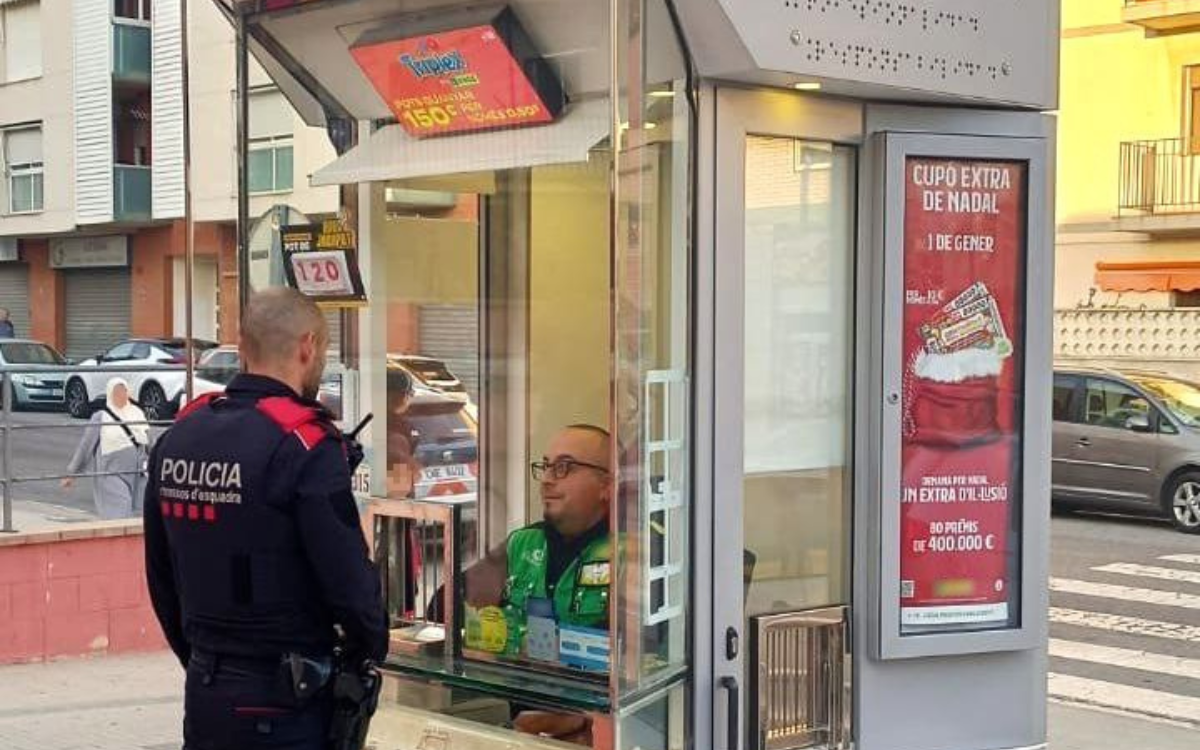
<point>1127,441</point>
<point>432,372</point>
<point>33,390</point>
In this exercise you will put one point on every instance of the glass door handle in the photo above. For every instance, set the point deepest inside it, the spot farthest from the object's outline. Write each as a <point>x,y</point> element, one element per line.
<point>729,683</point>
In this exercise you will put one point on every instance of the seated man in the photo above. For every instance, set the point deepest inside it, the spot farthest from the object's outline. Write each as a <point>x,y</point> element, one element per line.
<point>559,566</point>
<point>556,568</point>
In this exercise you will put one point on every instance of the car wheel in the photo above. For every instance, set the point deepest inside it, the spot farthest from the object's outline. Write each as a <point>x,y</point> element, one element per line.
<point>77,399</point>
<point>154,402</point>
<point>1183,502</point>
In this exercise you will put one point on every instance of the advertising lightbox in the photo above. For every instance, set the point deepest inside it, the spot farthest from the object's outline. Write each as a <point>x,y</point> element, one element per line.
<point>477,77</point>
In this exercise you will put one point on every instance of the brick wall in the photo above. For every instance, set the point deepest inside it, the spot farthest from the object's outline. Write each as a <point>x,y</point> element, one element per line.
<point>152,279</point>
<point>74,593</point>
<point>47,318</point>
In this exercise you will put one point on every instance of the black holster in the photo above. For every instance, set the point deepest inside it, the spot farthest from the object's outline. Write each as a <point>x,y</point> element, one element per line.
<point>355,698</point>
<point>309,675</point>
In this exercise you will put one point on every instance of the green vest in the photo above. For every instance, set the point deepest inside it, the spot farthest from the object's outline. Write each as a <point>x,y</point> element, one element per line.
<point>580,597</point>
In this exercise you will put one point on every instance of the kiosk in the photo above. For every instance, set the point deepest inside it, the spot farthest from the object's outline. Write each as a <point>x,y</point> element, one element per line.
<point>795,257</point>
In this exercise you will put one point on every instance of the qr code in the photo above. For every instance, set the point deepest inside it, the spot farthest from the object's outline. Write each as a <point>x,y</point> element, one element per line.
<point>907,590</point>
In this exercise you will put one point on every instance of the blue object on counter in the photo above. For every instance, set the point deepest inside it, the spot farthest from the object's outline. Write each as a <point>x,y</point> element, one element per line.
<point>584,648</point>
<point>537,606</point>
<point>541,631</point>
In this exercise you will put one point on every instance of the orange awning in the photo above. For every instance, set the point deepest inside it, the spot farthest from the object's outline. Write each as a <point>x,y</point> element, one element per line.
<point>1149,276</point>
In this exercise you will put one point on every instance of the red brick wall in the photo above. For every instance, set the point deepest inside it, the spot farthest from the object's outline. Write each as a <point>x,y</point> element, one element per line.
<point>224,243</point>
<point>152,279</point>
<point>47,314</point>
<point>152,287</point>
<point>75,593</point>
<point>153,275</point>
<point>403,331</point>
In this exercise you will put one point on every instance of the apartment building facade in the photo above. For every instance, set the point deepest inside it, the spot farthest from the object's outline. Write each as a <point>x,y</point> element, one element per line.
<point>92,232</point>
<point>1127,289</point>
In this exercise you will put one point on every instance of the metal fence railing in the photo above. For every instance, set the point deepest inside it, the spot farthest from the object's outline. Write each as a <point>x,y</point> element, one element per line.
<point>10,428</point>
<point>1159,176</point>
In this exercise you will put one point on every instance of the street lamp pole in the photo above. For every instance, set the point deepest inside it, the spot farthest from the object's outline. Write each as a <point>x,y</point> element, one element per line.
<point>188,225</point>
<point>243,149</point>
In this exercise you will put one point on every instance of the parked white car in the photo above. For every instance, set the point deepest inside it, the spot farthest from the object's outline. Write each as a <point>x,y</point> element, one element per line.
<point>219,365</point>
<point>33,390</point>
<point>157,392</point>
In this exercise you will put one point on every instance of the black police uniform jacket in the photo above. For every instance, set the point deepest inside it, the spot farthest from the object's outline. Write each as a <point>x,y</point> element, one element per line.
<point>253,542</point>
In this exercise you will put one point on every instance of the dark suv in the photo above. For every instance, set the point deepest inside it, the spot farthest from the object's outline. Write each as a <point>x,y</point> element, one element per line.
<point>1127,440</point>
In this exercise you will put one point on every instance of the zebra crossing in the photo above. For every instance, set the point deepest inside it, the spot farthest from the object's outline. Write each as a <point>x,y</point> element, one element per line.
<point>1125,636</point>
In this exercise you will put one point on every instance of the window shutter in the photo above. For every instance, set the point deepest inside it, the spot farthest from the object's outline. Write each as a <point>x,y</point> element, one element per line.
<point>270,114</point>
<point>23,40</point>
<point>23,146</point>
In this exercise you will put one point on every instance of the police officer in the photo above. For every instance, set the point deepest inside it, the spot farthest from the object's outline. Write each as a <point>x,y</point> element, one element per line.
<point>254,554</point>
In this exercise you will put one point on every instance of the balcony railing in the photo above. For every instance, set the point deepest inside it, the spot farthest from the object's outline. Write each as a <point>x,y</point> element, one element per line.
<point>131,53</point>
<point>1159,177</point>
<point>131,193</point>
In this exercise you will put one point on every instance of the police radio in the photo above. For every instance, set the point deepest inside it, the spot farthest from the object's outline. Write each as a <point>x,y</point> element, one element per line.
<point>359,427</point>
<point>354,449</point>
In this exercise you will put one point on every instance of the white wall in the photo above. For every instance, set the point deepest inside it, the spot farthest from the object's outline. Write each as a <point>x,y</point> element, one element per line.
<point>214,174</point>
<point>204,298</point>
<point>1078,254</point>
<point>49,100</point>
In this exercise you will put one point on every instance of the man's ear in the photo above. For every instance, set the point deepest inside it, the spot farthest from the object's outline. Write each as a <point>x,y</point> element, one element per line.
<point>308,347</point>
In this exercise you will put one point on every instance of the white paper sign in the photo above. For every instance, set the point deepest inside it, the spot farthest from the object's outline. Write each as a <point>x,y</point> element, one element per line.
<point>322,273</point>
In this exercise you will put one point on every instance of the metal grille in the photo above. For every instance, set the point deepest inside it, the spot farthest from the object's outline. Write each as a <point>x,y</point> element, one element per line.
<point>333,318</point>
<point>98,310</point>
<point>417,548</point>
<point>14,296</point>
<point>799,699</point>
<point>451,333</point>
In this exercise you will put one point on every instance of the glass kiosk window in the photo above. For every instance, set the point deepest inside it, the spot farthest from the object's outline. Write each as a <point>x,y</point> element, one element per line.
<point>526,357</point>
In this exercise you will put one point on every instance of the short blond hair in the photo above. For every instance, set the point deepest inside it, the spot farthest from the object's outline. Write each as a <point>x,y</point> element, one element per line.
<point>274,322</point>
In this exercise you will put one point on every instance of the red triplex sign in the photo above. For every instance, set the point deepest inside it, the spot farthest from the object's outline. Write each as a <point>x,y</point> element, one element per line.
<point>964,291</point>
<point>472,78</point>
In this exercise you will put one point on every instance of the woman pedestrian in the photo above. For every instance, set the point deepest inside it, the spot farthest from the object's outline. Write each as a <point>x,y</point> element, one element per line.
<point>115,445</point>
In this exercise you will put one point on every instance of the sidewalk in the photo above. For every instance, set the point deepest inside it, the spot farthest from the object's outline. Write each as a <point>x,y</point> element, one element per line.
<point>29,515</point>
<point>135,703</point>
<point>108,703</point>
<point>1078,728</point>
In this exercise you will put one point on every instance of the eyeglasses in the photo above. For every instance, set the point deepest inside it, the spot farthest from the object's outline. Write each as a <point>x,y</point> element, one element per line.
<point>559,469</point>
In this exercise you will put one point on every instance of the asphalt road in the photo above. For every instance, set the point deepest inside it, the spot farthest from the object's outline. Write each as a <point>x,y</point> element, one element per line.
<point>40,448</point>
<point>1125,616</point>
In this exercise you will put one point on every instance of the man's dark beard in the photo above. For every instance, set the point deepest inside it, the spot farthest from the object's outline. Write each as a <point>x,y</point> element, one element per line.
<point>312,389</point>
